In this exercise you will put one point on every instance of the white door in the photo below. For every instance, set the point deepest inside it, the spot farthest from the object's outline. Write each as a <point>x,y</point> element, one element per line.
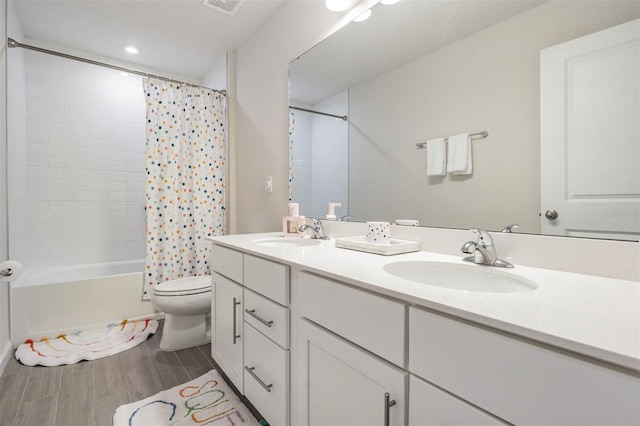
<point>226,328</point>
<point>345,385</point>
<point>590,135</point>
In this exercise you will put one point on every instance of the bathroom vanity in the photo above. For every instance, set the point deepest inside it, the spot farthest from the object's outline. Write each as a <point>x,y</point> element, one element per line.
<point>312,334</point>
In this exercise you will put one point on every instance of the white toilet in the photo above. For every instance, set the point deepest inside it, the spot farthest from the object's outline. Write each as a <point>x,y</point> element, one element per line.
<point>186,303</point>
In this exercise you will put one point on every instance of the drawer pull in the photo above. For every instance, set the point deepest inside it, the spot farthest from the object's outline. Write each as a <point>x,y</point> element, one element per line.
<point>236,336</point>
<point>387,405</point>
<point>266,387</point>
<point>252,312</point>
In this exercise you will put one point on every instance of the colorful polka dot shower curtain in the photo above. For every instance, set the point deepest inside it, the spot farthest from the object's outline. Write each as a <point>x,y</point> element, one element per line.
<point>185,188</point>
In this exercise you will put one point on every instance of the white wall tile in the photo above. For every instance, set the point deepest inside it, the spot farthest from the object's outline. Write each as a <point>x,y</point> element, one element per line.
<point>82,178</point>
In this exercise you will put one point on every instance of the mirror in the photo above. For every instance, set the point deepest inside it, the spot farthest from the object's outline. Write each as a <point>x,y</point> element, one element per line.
<point>419,70</point>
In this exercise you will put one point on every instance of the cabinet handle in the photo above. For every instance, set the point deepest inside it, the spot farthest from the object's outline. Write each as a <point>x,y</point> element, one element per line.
<point>252,312</point>
<point>236,336</point>
<point>387,404</point>
<point>266,387</point>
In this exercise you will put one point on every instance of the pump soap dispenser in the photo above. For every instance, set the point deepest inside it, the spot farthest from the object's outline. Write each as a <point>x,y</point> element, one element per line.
<point>291,223</point>
<point>331,210</point>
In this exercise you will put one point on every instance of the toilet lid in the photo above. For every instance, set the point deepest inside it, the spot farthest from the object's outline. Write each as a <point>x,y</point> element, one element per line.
<point>184,286</point>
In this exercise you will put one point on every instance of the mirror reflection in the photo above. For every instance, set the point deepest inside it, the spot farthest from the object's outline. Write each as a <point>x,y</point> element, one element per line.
<point>553,83</point>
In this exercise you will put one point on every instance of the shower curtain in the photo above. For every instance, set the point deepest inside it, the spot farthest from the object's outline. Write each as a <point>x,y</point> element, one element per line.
<point>185,171</point>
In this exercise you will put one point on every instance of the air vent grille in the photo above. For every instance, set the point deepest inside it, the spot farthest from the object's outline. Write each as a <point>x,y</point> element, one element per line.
<point>230,7</point>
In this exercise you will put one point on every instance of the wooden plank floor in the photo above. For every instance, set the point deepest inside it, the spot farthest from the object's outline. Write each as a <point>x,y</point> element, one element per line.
<point>88,393</point>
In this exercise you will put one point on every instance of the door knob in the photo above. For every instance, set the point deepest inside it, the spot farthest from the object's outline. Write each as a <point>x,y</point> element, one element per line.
<point>551,214</point>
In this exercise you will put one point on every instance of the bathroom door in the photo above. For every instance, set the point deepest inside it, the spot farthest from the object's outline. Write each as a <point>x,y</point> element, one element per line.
<point>590,135</point>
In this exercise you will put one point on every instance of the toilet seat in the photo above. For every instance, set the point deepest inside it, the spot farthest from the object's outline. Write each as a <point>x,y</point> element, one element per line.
<point>184,286</point>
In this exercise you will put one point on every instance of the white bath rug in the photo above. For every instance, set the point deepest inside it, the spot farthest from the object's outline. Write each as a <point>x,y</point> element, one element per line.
<point>72,348</point>
<point>207,400</point>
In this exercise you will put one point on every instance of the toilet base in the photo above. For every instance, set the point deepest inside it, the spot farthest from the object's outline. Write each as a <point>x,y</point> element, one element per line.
<point>184,331</point>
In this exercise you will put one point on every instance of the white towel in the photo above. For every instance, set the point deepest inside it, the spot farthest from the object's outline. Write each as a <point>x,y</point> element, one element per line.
<point>436,157</point>
<point>459,154</point>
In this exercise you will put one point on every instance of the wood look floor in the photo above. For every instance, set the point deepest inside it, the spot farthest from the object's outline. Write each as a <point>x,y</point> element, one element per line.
<point>88,393</point>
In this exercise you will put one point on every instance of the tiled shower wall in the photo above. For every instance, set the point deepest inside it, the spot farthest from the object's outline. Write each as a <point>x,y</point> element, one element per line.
<point>320,158</point>
<point>78,194</point>
<point>330,156</point>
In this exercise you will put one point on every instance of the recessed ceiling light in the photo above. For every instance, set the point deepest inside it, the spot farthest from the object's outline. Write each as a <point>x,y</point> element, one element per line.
<point>337,5</point>
<point>131,49</point>
<point>363,16</point>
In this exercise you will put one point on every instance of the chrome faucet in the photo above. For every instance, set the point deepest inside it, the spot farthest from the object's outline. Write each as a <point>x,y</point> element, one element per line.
<point>316,228</point>
<point>483,251</point>
<point>510,228</point>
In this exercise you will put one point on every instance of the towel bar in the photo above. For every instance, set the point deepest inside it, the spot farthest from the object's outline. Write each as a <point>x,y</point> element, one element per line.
<point>478,135</point>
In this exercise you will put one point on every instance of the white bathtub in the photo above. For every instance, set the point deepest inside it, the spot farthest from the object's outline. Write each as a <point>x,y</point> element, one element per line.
<point>47,302</point>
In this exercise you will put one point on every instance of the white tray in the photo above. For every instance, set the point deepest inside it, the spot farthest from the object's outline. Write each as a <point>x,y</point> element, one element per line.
<point>395,246</point>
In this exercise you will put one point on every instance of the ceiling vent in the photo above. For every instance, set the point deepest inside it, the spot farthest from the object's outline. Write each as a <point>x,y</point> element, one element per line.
<point>230,7</point>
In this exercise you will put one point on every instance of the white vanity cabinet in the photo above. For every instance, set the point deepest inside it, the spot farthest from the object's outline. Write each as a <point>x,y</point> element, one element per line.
<point>313,345</point>
<point>226,312</point>
<point>227,337</point>
<point>251,329</point>
<point>266,326</point>
<point>517,380</point>
<point>339,382</point>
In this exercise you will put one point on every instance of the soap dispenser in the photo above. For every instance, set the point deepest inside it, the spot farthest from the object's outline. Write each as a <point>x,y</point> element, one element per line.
<point>331,210</point>
<point>291,223</point>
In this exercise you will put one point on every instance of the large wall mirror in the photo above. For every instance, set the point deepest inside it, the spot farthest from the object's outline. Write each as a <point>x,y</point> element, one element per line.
<point>555,84</point>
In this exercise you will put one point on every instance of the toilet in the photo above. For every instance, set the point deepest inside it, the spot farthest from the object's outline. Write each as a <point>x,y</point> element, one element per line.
<point>185,303</point>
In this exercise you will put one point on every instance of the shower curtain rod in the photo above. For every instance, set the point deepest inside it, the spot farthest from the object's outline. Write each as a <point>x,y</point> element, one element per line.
<point>342,117</point>
<point>12,43</point>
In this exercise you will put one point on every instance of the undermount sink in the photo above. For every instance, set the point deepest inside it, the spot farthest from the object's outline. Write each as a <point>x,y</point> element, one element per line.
<point>460,277</point>
<point>286,242</point>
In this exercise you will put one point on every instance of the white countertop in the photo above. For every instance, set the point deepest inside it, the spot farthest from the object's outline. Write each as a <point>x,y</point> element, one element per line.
<point>595,316</point>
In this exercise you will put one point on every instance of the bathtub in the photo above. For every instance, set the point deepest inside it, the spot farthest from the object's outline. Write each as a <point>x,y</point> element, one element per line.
<point>47,302</point>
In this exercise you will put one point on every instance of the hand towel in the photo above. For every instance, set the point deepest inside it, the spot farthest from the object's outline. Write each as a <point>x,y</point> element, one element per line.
<point>436,157</point>
<point>459,154</point>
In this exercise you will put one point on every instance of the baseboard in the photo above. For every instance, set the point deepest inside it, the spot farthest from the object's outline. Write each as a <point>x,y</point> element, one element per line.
<point>5,356</point>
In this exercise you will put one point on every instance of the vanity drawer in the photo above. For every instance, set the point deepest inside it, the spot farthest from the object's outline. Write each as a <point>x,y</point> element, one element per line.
<point>267,278</point>
<point>268,363</point>
<point>275,324</point>
<point>372,322</point>
<point>227,262</point>
<point>516,379</point>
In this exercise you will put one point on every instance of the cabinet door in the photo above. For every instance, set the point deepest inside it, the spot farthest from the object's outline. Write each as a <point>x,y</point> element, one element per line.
<point>429,405</point>
<point>341,384</point>
<point>226,326</point>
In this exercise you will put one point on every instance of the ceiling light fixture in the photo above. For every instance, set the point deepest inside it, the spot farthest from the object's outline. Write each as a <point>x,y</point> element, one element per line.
<point>131,49</point>
<point>363,16</point>
<point>337,5</point>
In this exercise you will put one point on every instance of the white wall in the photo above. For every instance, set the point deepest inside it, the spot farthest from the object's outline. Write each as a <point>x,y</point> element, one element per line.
<point>79,198</point>
<point>488,81</point>
<point>262,108</point>
<point>5,345</point>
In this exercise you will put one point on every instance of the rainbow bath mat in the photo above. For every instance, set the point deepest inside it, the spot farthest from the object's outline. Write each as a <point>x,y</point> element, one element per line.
<point>207,400</point>
<point>72,348</point>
